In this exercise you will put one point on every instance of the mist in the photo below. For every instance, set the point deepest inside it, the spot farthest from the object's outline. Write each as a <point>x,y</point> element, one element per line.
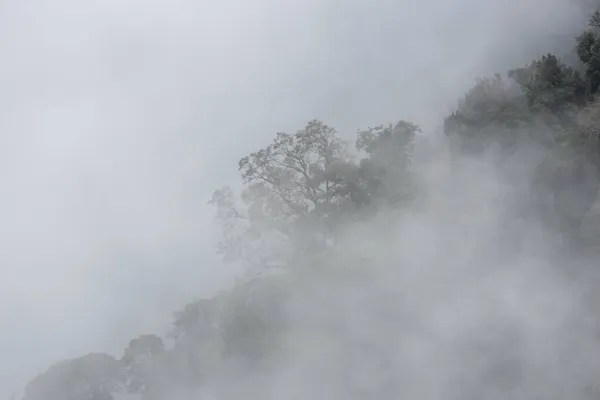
<point>119,119</point>
<point>460,298</point>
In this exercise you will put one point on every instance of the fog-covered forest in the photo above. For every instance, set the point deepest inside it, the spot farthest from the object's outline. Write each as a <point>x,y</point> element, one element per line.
<point>458,262</point>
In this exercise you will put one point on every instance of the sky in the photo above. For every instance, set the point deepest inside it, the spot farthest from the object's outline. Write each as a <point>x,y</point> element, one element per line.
<point>118,118</point>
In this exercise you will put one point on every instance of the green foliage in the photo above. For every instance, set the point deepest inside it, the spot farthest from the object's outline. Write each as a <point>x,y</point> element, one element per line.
<point>536,103</point>
<point>546,102</point>
<point>551,86</point>
<point>588,51</point>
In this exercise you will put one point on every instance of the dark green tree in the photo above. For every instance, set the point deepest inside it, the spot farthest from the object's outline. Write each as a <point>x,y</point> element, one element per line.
<point>588,51</point>
<point>551,86</point>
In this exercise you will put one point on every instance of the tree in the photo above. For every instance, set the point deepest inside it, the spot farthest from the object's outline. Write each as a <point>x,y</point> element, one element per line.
<point>298,191</point>
<point>551,86</point>
<point>92,377</point>
<point>138,359</point>
<point>298,184</point>
<point>385,172</point>
<point>302,187</point>
<point>492,111</point>
<point>253,317</point>
<point>588,51</point>
<point>539,102</point>
<point>144,346</point>
<point>197,321</point>
<point>547,102</point>
<point>295,191</point>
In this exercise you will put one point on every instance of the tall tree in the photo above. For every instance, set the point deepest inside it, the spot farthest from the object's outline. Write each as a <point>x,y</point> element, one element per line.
<point>299,189</point>
<point>295,191</point>
<point>385,172</point>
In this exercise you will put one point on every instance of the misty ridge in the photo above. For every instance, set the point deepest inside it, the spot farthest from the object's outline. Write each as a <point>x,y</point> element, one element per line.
<point>403,263</point>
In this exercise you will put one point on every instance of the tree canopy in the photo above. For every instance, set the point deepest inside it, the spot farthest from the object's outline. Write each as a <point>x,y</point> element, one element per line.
<point>302,187</point>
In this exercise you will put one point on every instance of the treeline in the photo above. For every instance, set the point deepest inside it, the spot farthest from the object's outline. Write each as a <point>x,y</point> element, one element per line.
<point>303,189</point>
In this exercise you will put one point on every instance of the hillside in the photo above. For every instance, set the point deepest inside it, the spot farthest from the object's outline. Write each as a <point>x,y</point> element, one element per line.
<point>453,265</point>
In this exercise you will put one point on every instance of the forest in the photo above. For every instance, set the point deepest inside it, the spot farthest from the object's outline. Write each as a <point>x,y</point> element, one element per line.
<point>329,308</point>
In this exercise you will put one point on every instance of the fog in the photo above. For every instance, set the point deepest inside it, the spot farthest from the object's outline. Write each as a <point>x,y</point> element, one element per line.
<point>119,118</point>
<point>461,299</point>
